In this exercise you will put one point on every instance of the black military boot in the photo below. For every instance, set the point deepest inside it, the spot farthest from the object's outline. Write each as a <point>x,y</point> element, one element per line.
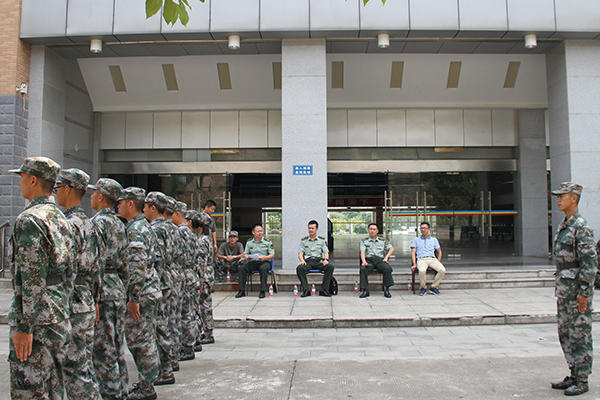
<point>187,353</point>
<point>579,387</point>
<point>565,383</point>
<point>164,379</point>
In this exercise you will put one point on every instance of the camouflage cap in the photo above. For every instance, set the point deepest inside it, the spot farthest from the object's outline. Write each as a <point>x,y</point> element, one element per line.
<point>42,167</point>
<point>181,207</point>
<point>133,193</point>
<point>205,218</point>
<point>157,198</point>
<point>108,187</point>
<point>192,215</point>
<point>171,204</point>
<point>568,187</point>
<point>234,233</point>
<point>74,177</point>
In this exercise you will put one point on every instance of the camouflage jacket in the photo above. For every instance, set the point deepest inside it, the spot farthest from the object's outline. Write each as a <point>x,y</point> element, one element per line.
<point>85,295</point>
<point>206,253</point>
<point>190,255</point>
<point>41,249</point>
<point>142,248</point>
<point>164,241</point>
<point>113,255</point>
<point>574,241</point>
<point>177,252</point>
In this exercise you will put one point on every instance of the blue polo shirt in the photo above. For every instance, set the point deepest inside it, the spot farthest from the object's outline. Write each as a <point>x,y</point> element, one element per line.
<point>425,247</point>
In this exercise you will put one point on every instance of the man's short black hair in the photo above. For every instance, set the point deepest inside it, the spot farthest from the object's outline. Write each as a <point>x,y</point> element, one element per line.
<point>313,222</point>
<point>45,185</point>
<point>159,209</point>
<point>373,224</point>
<point>425,223</point>
<point>210,203</point>
<point>255,225</point>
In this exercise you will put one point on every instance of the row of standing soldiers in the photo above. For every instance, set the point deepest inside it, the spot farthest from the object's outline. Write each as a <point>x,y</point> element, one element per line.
<point>84,287</point>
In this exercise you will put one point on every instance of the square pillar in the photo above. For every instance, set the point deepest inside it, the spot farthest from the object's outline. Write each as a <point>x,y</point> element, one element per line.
<point>303,143</point>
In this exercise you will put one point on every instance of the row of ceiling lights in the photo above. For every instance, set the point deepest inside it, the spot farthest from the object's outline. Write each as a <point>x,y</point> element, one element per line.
<point>383,42</point>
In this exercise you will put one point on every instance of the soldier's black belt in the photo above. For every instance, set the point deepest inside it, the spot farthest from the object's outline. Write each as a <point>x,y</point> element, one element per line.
<point>572,264</point>
<point>111,270</point>
<point>80,280</point>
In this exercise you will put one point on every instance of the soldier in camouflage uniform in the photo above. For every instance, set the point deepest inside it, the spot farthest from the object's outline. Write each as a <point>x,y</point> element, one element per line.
<point>189,324</point>
<point>41,255</point>
<point>576,267</point>
<point>109,343</point>
<point>207,280</point>
<point>143,293</point>
<point>178,280</point>
<point>78,366</point>
<point>154,208</point>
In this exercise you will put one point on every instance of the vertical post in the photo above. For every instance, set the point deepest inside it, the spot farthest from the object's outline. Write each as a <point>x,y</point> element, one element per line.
<point>417,214</point>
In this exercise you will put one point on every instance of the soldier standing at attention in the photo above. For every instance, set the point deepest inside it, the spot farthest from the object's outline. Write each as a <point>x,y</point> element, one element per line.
<point>154,208</point>
<point>259,252</point>
<point>374,254</point>
<point>576,267</point>
<point>109,343</point>
<point>41,255</point>
<point>143,293</point>
<point>207,279</point>
<point>204,247</point>
<point>78,366</point>
<point>314,254</point>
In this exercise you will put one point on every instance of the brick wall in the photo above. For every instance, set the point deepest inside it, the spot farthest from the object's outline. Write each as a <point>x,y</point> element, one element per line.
<point>14,53</point>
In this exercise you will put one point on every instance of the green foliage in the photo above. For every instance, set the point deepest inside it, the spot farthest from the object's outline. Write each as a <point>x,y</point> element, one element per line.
<point>173,10</point>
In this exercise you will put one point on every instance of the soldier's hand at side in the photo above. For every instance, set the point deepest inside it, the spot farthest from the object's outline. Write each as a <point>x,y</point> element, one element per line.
<point>414,267</point>
<point>22,343</point>
<point>302,262</point>
<point>134,310</point>
<point>97,314</point>
<point>364,263</point>
<point>582,303</point>
<point>215,248</point>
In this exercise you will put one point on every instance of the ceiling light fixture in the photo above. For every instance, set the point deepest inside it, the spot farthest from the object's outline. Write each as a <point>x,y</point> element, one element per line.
<point>96,46</point>
<point>383,40</point>
<point>530,41</point>
<point>234,42</point>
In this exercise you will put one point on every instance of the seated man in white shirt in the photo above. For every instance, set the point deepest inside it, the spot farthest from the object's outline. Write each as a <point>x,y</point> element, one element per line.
<point>423,256</point>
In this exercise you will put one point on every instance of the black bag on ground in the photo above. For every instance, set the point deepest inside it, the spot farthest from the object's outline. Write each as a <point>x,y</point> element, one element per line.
<point>333,286</point>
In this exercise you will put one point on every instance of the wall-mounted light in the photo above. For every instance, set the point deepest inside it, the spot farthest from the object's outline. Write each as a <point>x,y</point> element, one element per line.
<point>530,41</point>
<point>96,46</point>
<point>383,40</point>
<point>234,42</point>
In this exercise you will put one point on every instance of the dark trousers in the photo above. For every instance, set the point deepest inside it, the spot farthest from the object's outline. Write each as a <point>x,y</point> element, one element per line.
<point>381,266</point>
<point>263,268</point>
<point>315,263</point>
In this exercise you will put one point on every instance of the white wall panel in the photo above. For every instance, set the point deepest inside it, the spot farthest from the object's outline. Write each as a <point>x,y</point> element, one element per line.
<point>478,127</point>
<point>391,128</point>
<point>195,128</point>
<point>274,128</point>
<point>167,130</point>
<point>224,129</point>
<point>113,131</point>
<point>138,130</point>
<point>253,129</point>
<point>362,128</point>
<point>420,128</point>
<point>503,128</point>
<point>449,128</point>
<point>337,128</point>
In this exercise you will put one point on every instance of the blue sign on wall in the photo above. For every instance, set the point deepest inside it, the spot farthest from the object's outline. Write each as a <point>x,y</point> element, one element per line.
<point>303,169</point>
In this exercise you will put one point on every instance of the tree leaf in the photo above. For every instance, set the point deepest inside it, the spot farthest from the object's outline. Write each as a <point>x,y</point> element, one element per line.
<point>186,3</point>
<point>183,14</point>
<point>152,7</point>
<point>365,2</point>
<point>170,12</point>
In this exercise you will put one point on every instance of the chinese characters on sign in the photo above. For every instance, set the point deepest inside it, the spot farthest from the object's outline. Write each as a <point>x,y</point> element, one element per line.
<point>303,169</point>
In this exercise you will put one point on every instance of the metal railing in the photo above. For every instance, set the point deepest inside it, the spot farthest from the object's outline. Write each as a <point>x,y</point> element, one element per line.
<point>3,235</point>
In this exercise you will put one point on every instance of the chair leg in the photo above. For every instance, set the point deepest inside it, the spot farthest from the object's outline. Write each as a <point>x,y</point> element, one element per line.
<point>274,279</point>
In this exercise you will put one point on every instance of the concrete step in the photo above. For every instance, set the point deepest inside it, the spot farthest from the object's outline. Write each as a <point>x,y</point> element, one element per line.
<point>5,283</point>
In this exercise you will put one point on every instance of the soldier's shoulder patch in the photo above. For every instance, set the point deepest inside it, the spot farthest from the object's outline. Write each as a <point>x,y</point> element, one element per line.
<point>365,239</point>
<point>304,238</point>
<point>321,237</point>
<point>266,239</point>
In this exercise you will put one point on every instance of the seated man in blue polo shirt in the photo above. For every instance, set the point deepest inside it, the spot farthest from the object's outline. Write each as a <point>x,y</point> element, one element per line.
<point>424,248</point>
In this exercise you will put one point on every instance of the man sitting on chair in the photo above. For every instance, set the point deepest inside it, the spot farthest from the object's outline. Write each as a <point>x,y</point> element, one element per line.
<point>374,254</point>
<point>259,252</point>
<point>314,254</point>
<point>423,256</point>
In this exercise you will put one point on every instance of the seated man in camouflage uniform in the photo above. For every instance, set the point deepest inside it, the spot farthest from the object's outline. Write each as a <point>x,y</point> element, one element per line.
<point>78,366</point>
<point>576,267</point>
<point>41,255</point>
<point>229,257</point>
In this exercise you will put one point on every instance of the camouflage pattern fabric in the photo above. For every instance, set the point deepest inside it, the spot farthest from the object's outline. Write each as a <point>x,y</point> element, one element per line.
<point>74,177</point>
<point>41,255</point>
<point>143,289</point>
<point>178,276</point>
<point>78,366</point>
<point>108,187</point>
<point>189,323</point>
<point>109,335</point>
<point>206,252</point>
<point>574,241</point>
<point>41,167</point>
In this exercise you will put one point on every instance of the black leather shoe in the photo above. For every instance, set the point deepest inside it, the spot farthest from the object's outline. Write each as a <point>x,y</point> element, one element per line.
<point>165,380</point>
<point>306,293</point>
<point>197,347</point>
<point>324,292</point>
<point>364,294</point>
<point>579,387</point>
<point>175,365</point>
<point>565,383</point>
<point>261,295</point>
<point>239,294</point>
<point>187,353</point>
<point>209,340</point>
<point>386,293</point>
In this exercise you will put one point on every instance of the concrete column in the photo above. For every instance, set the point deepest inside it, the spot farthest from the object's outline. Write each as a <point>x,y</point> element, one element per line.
<point>531,223</point>
<point>573,97</point>
<point>304,141</point>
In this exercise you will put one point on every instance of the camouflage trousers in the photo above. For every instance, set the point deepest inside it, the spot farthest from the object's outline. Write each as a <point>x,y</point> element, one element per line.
<point>141,340</point>
<point>109,351</point>
<point>189,318</point>
<point>206,311</point>
<point>175,317</point>
<point>78,367</point>
<point>40,376</point>
<point>222,266</point>
<point>575,335</point>
<point>163,333</point>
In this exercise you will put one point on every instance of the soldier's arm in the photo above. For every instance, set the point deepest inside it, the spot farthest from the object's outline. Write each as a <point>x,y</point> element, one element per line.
<point>389,253</point>
<point>588,265</point>
<point>138,265</point>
